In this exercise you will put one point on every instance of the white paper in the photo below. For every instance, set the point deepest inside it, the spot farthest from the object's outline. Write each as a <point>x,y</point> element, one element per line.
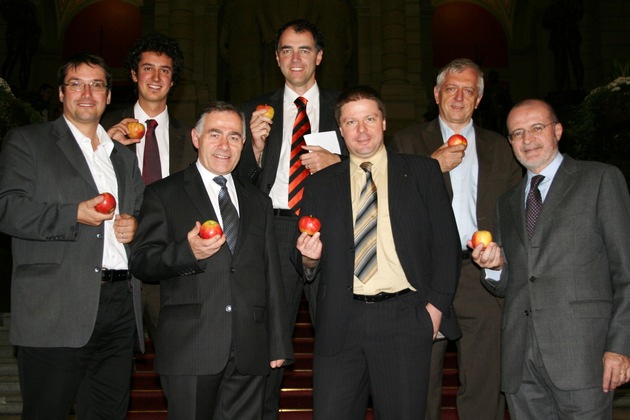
<point>327,140</point>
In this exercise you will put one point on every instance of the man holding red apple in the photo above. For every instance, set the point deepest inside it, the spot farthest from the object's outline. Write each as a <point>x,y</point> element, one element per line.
<point>267,154</point>
<point>475,173</point>
<point>374,334</point>
<point>564,270</point>
<point>75,312</point>
<point>155,64</point>
<point>223,321</point>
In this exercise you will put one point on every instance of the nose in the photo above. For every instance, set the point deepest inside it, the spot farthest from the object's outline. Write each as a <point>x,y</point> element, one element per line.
<point>459,95</point>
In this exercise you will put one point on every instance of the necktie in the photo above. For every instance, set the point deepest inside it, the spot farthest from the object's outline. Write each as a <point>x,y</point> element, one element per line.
<point>228,213</point>
<point>534,204</point>
<point>297,171</point>
<point>151,167</point>
<point>365,228</point>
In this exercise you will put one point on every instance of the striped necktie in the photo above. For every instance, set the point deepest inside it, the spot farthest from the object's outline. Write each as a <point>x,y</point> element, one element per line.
<point>365,228</point>
<point>297,171</point>
<point>228,213</point>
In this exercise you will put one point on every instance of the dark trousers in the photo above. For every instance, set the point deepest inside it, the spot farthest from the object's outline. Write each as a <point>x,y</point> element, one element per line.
<point>227,395</point>
<point>386,354</point>
<point>97,375</point>
<point>286,228</point>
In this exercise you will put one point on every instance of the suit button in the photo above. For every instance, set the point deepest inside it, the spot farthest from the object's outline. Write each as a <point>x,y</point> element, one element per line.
<point>532,279</point>
<point>232,270</point>
<point>99,235</point>
<point>97,269</point>
<point>228,308</point>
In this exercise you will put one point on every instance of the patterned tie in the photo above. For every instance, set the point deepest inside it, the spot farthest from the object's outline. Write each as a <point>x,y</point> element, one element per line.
<point>365,228</point>
<point>228,213</point>
<point>297,171</point>
<point>534,204</point>
<point>151,167</point>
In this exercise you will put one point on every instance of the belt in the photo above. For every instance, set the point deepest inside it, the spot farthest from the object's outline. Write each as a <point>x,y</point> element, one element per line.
<point>466,254</point>
<point>284,213</point>
<point>379,297</point>
<point>111,276</point>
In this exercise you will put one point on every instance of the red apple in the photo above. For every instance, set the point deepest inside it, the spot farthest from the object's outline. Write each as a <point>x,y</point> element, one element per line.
<point>457,139</point>
<point>136,130</point>
<point>108,205</point>
<point>210,228</point>
<point>481,237</point>
<point>309,224</point>
<point>270,111</point>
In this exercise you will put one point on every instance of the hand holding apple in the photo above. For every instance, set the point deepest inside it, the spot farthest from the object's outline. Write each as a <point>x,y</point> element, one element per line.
<point>309,224</point>
<point>269,111</point>
<point>456,139</point>
<point>481,237</point>
<point>108,205</point>
<point>209,229</point>
<point>136,130</point>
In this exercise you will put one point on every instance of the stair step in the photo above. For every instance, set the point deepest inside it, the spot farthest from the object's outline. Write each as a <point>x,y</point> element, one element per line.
<point>8,368</point>
<point>303,345</point>
<point>303,330</point>
<point>145,381</point>
<point>303,361</point>
<point>297,379</point>
<point>147,415</point>
<point>143,400</point>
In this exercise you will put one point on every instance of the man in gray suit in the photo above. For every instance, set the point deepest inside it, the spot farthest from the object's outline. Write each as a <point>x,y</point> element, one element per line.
<point>223,322</point>
<point>564,269</point>
<point>155,64</point>
<point>75,308</point>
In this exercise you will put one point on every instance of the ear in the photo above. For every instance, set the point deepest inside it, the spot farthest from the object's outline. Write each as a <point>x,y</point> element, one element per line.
<point>195,138</point>
<point>320,56</point>
<point>436,94</point>
<point>558,131</point>
<point>134,76</point>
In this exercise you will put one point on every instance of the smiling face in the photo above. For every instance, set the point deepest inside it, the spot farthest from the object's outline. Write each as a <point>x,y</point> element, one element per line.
<point>362,126</point>
<point>298,58</point>
<point>534,151</point>
<point>457,97</point>
<point>154,78</point>
<point>220,141</point>
<point>84,108</point>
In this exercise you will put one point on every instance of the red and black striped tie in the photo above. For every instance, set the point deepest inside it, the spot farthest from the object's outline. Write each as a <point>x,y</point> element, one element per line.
<point>297,171</point>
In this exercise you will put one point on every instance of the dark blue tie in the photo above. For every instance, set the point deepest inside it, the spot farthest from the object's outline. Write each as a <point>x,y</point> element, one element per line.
<point>228,213</point>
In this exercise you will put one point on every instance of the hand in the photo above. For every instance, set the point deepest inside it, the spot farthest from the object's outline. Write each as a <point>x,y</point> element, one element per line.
<point>436,318</point>
<point>260,127</point>
<point>310,247</point>
<point>204,248</point>
<point>119,132</point>
<point>491,257</point>
<point>275,364</point>
<point>449,157</point>
<point>87,214</point>
<point>125,226</point>
<point>616,371</point>
<point>318,158</point>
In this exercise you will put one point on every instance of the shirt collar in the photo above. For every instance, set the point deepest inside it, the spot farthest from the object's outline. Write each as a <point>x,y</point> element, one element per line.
<point>103,138</point>
<point>141,116</point>
<point>379,161</point>
<point>290,96</point>
<point>468,130</point>
<point>550,170</point>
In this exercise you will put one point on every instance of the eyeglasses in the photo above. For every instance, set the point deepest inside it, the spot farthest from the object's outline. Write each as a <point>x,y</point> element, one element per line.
<point>78,86</point>
<point>534,130</point>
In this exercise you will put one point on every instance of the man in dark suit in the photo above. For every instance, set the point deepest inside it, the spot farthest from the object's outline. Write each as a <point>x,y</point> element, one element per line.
<point>564,270</point>
<point>155,64</point>
<point>475,176</point>
<point>75,309</point>
<point>267,153</point>
<point>374,333</point>
<point>223,322</point>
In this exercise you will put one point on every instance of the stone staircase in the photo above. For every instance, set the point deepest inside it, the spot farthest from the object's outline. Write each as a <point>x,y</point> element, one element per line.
<point>10,400</point>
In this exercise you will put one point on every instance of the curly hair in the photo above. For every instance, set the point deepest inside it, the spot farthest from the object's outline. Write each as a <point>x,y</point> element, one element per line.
<point>160,44</point>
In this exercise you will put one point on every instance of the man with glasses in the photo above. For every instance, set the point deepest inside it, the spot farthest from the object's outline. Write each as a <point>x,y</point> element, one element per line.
<point>475,176</point>
<point>564,270</point>
<point>75,308</point>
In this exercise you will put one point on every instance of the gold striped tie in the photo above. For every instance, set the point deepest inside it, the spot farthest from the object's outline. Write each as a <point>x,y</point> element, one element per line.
<point>365,228</point>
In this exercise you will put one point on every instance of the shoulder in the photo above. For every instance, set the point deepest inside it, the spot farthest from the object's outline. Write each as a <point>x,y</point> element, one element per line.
<point>177,124</point>
<point>416,162</point>
<point>328,95</point>
<point>114,116</point>
<point>267,97</point>
<point>414,131</point>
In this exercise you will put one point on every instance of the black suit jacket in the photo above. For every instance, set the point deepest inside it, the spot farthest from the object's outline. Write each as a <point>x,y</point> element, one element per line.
<point>56,261</point>
<point>182,153</point>
<point>226,301</point>
<point>266,176</point>
<point>425,237</point>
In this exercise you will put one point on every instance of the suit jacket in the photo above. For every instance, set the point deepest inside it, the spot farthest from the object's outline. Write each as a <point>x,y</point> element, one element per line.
<point>571,281</point>
<point>266,176</point>
<point>425,237</point>
<point>498,170</point>
<point>210,306</point>
<point>57,261</point>
<point>182,153</point>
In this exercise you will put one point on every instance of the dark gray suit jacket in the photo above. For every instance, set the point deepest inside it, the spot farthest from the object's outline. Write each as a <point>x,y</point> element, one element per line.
<point>56,261</point>
<point>226,301</point>
<point>571,280</point>
<point>182,153</point>
<point>265,177</point>
<point>424,231</point>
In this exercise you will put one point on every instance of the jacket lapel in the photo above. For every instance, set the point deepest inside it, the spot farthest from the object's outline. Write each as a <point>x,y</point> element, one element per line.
<point>69,147</point>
